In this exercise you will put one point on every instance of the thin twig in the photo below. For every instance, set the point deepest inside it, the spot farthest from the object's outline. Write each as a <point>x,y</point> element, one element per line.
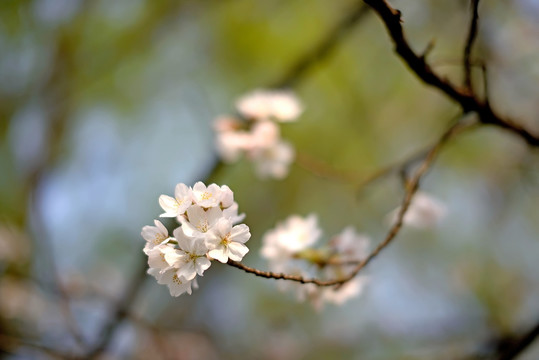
<point>324,170</point>
<point>472,35</point>
<point>468,102</point>
<point>413,185</point>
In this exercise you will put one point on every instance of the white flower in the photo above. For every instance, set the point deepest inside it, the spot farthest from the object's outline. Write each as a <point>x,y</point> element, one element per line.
<point>232,213</point>
<point>156,258</point>
<point>176,285</point>
<point>286,106</point>
<point>227,197</point>
<point>264,135</point>
<point>190,259</point>
<point>231,144</point>
<point>200,221</point>
<point>206,197</point>
<point>227,242</point>
<point>154,235</point>
<point>350,245</point>
<point>265,104</point>
<point>292,236</point>
<point>207,215</point>
<point>344,293</point>
<point>273,161</point>
<point>174,206</point>
<point>424,212</point>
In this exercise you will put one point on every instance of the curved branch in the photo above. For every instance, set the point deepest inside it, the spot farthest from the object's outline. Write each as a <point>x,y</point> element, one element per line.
<point>468,102</point>
<point>413,185</point>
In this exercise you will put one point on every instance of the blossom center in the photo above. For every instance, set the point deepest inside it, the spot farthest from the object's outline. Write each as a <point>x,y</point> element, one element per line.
<point>159,239</point>
<point>226,240</point>
<point>176,280</point>
<point>203,226</point>
<point>206,195</point>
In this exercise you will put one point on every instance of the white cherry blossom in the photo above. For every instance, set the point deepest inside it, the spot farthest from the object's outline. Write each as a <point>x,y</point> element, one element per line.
<point>350,245</point>
<point>156,257</point>
<point>232,144</point>
<point>206,197</point>
<point>200,221</point>
<point>190,259</point>
<point>264,135</point>
<point>207,215</point>
<point>227,197</point>
<point>175,284</point>
<point>232,213</point>
<point>154,235</point>
<point>227,242</point>
<point>347,291</point>
<point>291,236</point>
<point>174,206</point>
<point>273,161</point>
<point>267,104</point>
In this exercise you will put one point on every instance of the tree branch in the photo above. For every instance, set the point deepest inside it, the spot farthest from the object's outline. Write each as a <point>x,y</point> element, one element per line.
<point>472,35</point>
<point>413,185</point>
<point>468,102</point>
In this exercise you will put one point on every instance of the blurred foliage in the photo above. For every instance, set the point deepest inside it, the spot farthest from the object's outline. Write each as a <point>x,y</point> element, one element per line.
<point>104,105</point>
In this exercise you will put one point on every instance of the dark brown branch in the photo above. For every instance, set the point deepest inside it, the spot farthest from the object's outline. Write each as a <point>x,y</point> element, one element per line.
<point>520,343</point>
<point>472,35</point>
<point>322,49</point>
<point>468,102</point>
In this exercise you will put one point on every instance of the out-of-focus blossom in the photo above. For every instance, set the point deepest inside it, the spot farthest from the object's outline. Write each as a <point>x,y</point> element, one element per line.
<point>274,161</point>
<point>258,137</point>
<point>291,236</point>
<point>288,250</point>
<point>268,104</point>
<point>424,212</point>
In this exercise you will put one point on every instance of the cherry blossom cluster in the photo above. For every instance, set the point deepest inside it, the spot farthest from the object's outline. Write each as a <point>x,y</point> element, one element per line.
<point>255,133</point>
<point>288,248</point>
<point>208,216</point>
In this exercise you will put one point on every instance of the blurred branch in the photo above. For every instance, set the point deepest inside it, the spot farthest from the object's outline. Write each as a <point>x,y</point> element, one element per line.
<point>412,187</point>
<point>468,102</point>
<point>8,342</point>
<point>403,165</point>
<point>517,344</point>
<point>472,35</point>
<point>120,310</point>
<point>324,170</point>
<point>323,48</point>
<point>508,346</point>
<point>55,87</point>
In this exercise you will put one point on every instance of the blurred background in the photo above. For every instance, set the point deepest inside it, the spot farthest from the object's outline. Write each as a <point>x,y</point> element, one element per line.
<point>105,105</point>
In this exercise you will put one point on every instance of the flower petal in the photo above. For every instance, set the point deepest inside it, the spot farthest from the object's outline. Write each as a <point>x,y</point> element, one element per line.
<point>236,251</point>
